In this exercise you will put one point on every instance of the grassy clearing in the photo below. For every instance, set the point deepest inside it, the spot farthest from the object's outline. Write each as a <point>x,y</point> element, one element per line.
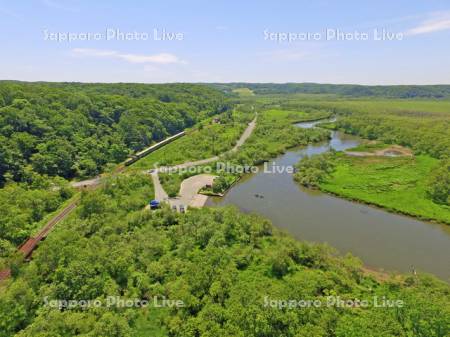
<point>204,141</point>
<point>327,125</point>
<point>397,184</point>
<point>397,106</point>
<point>369,146</point>
<point>171,182</point>
<point>293,116</point>
<point>423,126</point>
<point>274,133</point>
<point>244,92</point>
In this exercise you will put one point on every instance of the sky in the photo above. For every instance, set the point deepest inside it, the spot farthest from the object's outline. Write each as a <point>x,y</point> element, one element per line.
<point>359,42</point>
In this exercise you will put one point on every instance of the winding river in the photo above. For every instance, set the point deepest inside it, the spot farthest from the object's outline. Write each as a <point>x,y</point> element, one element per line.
<point>382,240</point>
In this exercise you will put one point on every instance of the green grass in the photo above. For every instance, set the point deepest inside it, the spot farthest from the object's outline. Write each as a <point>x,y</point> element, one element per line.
<point>397,184</point>
<point>401,107</point>
<point>51,215</point>
<point>369,147</point>
<point>171,182</point>
<point>244,92</point>
<point>200,143</point>
<point>327,125</point>
<point>293,116</point>
<point>215,139</point>
<point>274,133</point>
<point>397,106</point>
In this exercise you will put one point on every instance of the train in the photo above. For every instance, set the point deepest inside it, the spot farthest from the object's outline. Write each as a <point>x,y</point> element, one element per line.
<point>152,148</point>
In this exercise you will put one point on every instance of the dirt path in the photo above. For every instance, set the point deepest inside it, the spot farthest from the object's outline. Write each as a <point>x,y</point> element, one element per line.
<point>86,183</point>
<point>391,151</point>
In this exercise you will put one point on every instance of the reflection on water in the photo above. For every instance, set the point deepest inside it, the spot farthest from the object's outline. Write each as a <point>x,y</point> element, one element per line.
<point>380,239</point>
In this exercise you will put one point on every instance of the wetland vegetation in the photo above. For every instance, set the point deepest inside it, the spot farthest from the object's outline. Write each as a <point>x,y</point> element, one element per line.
<point>232,271</point>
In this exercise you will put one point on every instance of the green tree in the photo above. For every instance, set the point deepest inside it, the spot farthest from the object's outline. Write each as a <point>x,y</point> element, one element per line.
<point>439,183</point>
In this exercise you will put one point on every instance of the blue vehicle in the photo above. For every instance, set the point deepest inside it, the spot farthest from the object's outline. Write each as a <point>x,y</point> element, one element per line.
<point>154,204</point>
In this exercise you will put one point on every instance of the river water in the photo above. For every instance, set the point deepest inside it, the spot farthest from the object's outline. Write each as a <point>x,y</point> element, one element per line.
<point>382,240</point>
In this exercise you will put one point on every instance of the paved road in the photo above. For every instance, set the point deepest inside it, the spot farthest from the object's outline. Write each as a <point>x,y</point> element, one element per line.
<point>245,135</point>
<point>190,186</point>
<point>189,191</point>
<point>160,194</point>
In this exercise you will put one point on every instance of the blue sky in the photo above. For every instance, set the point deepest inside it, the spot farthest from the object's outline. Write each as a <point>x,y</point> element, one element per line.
<point>226,41</point>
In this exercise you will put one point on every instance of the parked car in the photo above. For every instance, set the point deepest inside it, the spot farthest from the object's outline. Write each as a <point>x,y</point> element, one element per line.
<point>154,204</point>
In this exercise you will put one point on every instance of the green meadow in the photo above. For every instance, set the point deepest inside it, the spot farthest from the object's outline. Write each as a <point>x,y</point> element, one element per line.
<point>398,184</point>
<point>243,92</point>
<point>206,140</point>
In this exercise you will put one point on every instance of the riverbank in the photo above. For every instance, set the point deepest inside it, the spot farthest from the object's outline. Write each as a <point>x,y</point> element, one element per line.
<point>387,176</point>
<point>207,139</point>
<point>396,184</point>
<point>382,239</point>
<point>272,136</point>
<point>192,183</point>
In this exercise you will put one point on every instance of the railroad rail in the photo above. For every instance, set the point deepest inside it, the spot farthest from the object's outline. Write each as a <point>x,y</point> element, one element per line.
<point>30,245</point>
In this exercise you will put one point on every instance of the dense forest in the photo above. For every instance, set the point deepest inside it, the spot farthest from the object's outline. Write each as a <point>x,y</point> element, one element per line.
<point>74,130</point>
<point>223,265</point>
<point>234,273</point>
<point>50,132</point>
<point>392,91</point>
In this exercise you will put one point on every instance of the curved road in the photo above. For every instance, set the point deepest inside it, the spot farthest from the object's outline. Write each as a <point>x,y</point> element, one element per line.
<point>245,135</point>
<point>190,186</point>
<point>189,190</point>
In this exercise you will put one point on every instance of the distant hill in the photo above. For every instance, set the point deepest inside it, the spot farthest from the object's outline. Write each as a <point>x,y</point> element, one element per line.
<point>394,91</point>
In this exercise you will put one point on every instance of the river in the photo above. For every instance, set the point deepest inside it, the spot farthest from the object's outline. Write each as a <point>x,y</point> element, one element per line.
<point>383,240</point>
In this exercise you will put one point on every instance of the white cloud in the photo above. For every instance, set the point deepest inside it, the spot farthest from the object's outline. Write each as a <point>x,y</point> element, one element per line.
<point>162,58</point>
<point>437,22</point>
<point>94,52</point>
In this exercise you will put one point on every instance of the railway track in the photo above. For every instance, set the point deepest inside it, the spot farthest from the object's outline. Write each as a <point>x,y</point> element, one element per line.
<point>30,245</point>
